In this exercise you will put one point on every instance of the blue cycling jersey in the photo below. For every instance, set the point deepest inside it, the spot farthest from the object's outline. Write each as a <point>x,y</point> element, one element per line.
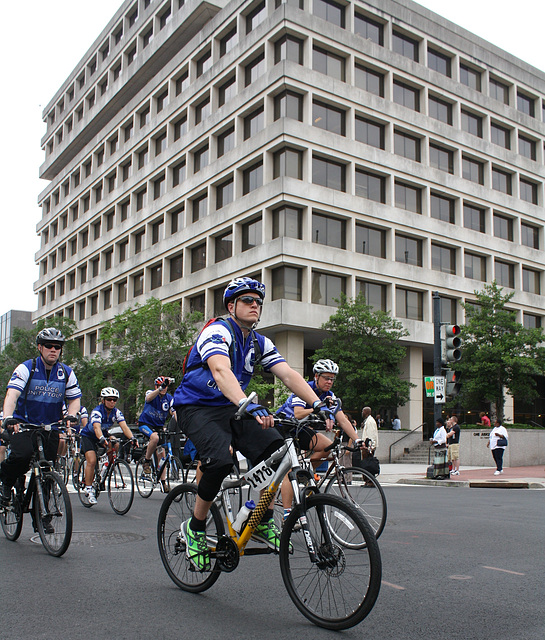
<point>156,411</point>
<point>198,386</point>
<point>105,419</point>
<point>42,402</point>
<point>294,401</point>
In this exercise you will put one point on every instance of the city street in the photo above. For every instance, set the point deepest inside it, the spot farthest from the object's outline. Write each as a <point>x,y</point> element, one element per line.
<point>457,563</point>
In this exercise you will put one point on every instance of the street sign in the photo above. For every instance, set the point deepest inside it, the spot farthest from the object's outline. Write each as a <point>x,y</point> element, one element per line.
<point>430,386</point>
<point>439,387</point>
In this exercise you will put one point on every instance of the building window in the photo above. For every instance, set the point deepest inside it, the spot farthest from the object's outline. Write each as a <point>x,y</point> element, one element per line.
<point>443,258</point>
<point>251,234</point>
<point>474,218</point>
<point>440,110</point>
<point>227,91</point>
<point>500,135</point>
<point>159,187</point>
<point>252,177</point>
<point>370,241</point>
<point>254,70</point>
<point>176,267</point>
<point>182,83</point>
<point>256,17</point>
<point>176,219</point>
<point>288,105</point>
<point>328,231</point>
<point>374,294</point>
<point>528,191</point>
<point>439,62</point>
<point>407,146</point>
<point>254,122</point>
<point>501,181</point>
<point>202,110</point>
<point>470,77</point>
<point>122,250</point>
<point>204,63</point>
<point>527,147</point>
<point>472,123</point>
<point>141,199</point>
<point>178,173</point>
<point>287,283</point>
<point>531,281</point>
<point>329,118</point>
<point>200,207</point>
<point>180,127</point>
<point>147,37</point>
<point>95,264</point>
<point>288,48</point>
<point>138,241</point>
<point>138,284</point>
<point>107,298</point>
<point>121,291</point>
<point>406,95</point>
<point>228,41</point>
<point>369,80</point>
<point>223,246</point>
<point>143,156</point>
<point>370,186</point>
<point>441,158</point>
<point>369,132</point>
<point>505,274</point>
<point>165,17</point>
<point>408,250</point>
<point>160,143</point>
<point>288,162</point>
<point>472,170</point>
<point>327,288</point>
<point>369,29</point>
<point>405,45</point>
<point>225,193</point>
<point>81,310</point>
<point>475,267</point>
<point>408,197</point>
<point>503,227</point>
<point>409,304</point>
<point>288,222</point>
<point>157,231</point>
<point>331,11</point>
<point>328,63</point>
<point>526,104</point>
<point>531,321</point>
<point>196,303</point>
<point>156,276</point>
<point>498,90</point>
<point>442,208</point>
<point>94,304</point>
<point>107,257</point>
<point>198,257</point>
<point>226,141</point>
<point>328,173</point>
<point>529,235</point>
<point>200,159</point>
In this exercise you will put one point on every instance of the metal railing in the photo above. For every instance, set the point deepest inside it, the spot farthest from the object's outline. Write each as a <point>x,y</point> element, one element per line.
<point>400,439</point>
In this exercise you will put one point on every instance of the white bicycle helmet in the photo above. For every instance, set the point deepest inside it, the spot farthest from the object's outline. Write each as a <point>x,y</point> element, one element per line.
<point>326,366</point>
<point>109,392</point>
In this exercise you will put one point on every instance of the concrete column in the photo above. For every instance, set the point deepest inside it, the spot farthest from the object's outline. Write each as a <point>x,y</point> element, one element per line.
<point>291,345</point>
<point>411,414</point>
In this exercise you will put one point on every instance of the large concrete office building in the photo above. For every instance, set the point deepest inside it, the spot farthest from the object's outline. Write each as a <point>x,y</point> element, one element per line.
<point>319,145</point>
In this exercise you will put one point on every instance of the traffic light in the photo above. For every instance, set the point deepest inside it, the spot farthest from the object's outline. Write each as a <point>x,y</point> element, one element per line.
<point>450,343</point>
<point>452,382</point>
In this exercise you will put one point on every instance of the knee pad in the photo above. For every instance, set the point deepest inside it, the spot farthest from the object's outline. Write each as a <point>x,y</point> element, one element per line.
<point>210,482</point>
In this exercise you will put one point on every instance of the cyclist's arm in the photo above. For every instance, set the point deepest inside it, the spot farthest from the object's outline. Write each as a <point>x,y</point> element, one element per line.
<point>151,395</point>
<point>97,428</point>
<point>73,407</point>
<point>295,382</point>
<point>125,428</point>
<point>10,401</point>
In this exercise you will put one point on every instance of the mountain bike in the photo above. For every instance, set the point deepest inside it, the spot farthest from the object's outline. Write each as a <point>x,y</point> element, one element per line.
<point>329,557</point>
<point>46,497</point>
<point>170,467</point>
<point>65,465</point>
<point>112,474</point>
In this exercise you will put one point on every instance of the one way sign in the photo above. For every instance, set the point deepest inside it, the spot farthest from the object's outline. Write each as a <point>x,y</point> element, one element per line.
<point>439,385</point>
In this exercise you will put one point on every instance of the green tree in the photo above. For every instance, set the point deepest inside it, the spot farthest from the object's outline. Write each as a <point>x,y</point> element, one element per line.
<point>499,355</point>
<point>366,346</point>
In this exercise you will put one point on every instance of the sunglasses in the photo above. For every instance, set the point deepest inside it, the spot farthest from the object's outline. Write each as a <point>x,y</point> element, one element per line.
<point>111,399</point>
<point>51,345</point>
<point>251,300</point>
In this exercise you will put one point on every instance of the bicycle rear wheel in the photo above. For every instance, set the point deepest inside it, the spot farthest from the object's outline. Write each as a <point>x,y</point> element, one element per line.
<point>338,590</point>
<point>61,467</point>
<point>77,464</point>
<point>364,491</point>
<point>120,487</point>
<point>176,508</point>
<point>55,524</point>
<point>175,472</point>
<point>11,518</point>
<point>144,482</point>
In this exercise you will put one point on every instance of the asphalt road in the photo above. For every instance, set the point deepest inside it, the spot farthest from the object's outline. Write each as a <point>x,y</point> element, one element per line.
<point>457,564</point>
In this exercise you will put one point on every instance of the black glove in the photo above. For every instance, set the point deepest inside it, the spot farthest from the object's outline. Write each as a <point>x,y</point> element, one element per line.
<point>257,410</point>
<point>326,415</point>
<point>164,385</point>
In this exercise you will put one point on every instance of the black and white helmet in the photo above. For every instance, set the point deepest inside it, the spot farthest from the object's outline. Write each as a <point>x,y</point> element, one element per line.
<point>109,392</point>
<point>326,366</point>
<point>50,334</point>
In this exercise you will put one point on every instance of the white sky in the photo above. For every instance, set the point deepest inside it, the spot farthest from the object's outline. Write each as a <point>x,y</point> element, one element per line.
<point>43,41</point>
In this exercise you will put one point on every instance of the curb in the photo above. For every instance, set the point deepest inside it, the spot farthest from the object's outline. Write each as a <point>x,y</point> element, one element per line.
<point>475,484</point>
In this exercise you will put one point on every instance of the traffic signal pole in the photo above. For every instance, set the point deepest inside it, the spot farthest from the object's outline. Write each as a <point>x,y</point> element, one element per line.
<point>436,348</point>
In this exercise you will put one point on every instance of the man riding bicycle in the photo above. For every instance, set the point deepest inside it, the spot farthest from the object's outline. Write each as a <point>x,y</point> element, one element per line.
<point>158,407</point>
<point>95,433</point>
<point>35,394</point>
<point>219,369</point>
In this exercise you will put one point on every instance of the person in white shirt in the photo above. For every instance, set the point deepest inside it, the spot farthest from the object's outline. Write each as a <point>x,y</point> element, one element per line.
<point>439,441</point>
<point>497,449</point>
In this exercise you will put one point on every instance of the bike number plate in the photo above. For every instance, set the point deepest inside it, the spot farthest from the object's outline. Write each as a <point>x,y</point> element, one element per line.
<point>260,476</point>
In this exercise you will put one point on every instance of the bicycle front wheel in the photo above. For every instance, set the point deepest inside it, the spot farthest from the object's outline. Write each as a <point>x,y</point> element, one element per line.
<point>337,589</point>
<point>61,467</point>
<point>120,487</point>
<point>55,523</point>
<point>77,465</point>
<point>364,491</point>
<point>11,518</point>
<point>176,508</point>
<point>144,481</point>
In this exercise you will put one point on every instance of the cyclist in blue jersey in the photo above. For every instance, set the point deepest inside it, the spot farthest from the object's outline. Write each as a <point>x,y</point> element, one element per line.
<point>158,408</point>
<point>36,393</point>
<point>95,433</point>
<point>219,368</point>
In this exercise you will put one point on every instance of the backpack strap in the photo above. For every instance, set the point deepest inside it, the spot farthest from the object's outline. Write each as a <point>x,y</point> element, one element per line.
<point>258,355</point>
<point>27,385</point>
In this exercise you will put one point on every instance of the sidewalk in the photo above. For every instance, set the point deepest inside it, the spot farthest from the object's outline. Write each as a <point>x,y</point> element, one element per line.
<point>511,478</point>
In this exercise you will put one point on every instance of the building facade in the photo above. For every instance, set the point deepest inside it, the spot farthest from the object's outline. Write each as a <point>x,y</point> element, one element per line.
<point>11,320</point>
<point>323,146</point>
